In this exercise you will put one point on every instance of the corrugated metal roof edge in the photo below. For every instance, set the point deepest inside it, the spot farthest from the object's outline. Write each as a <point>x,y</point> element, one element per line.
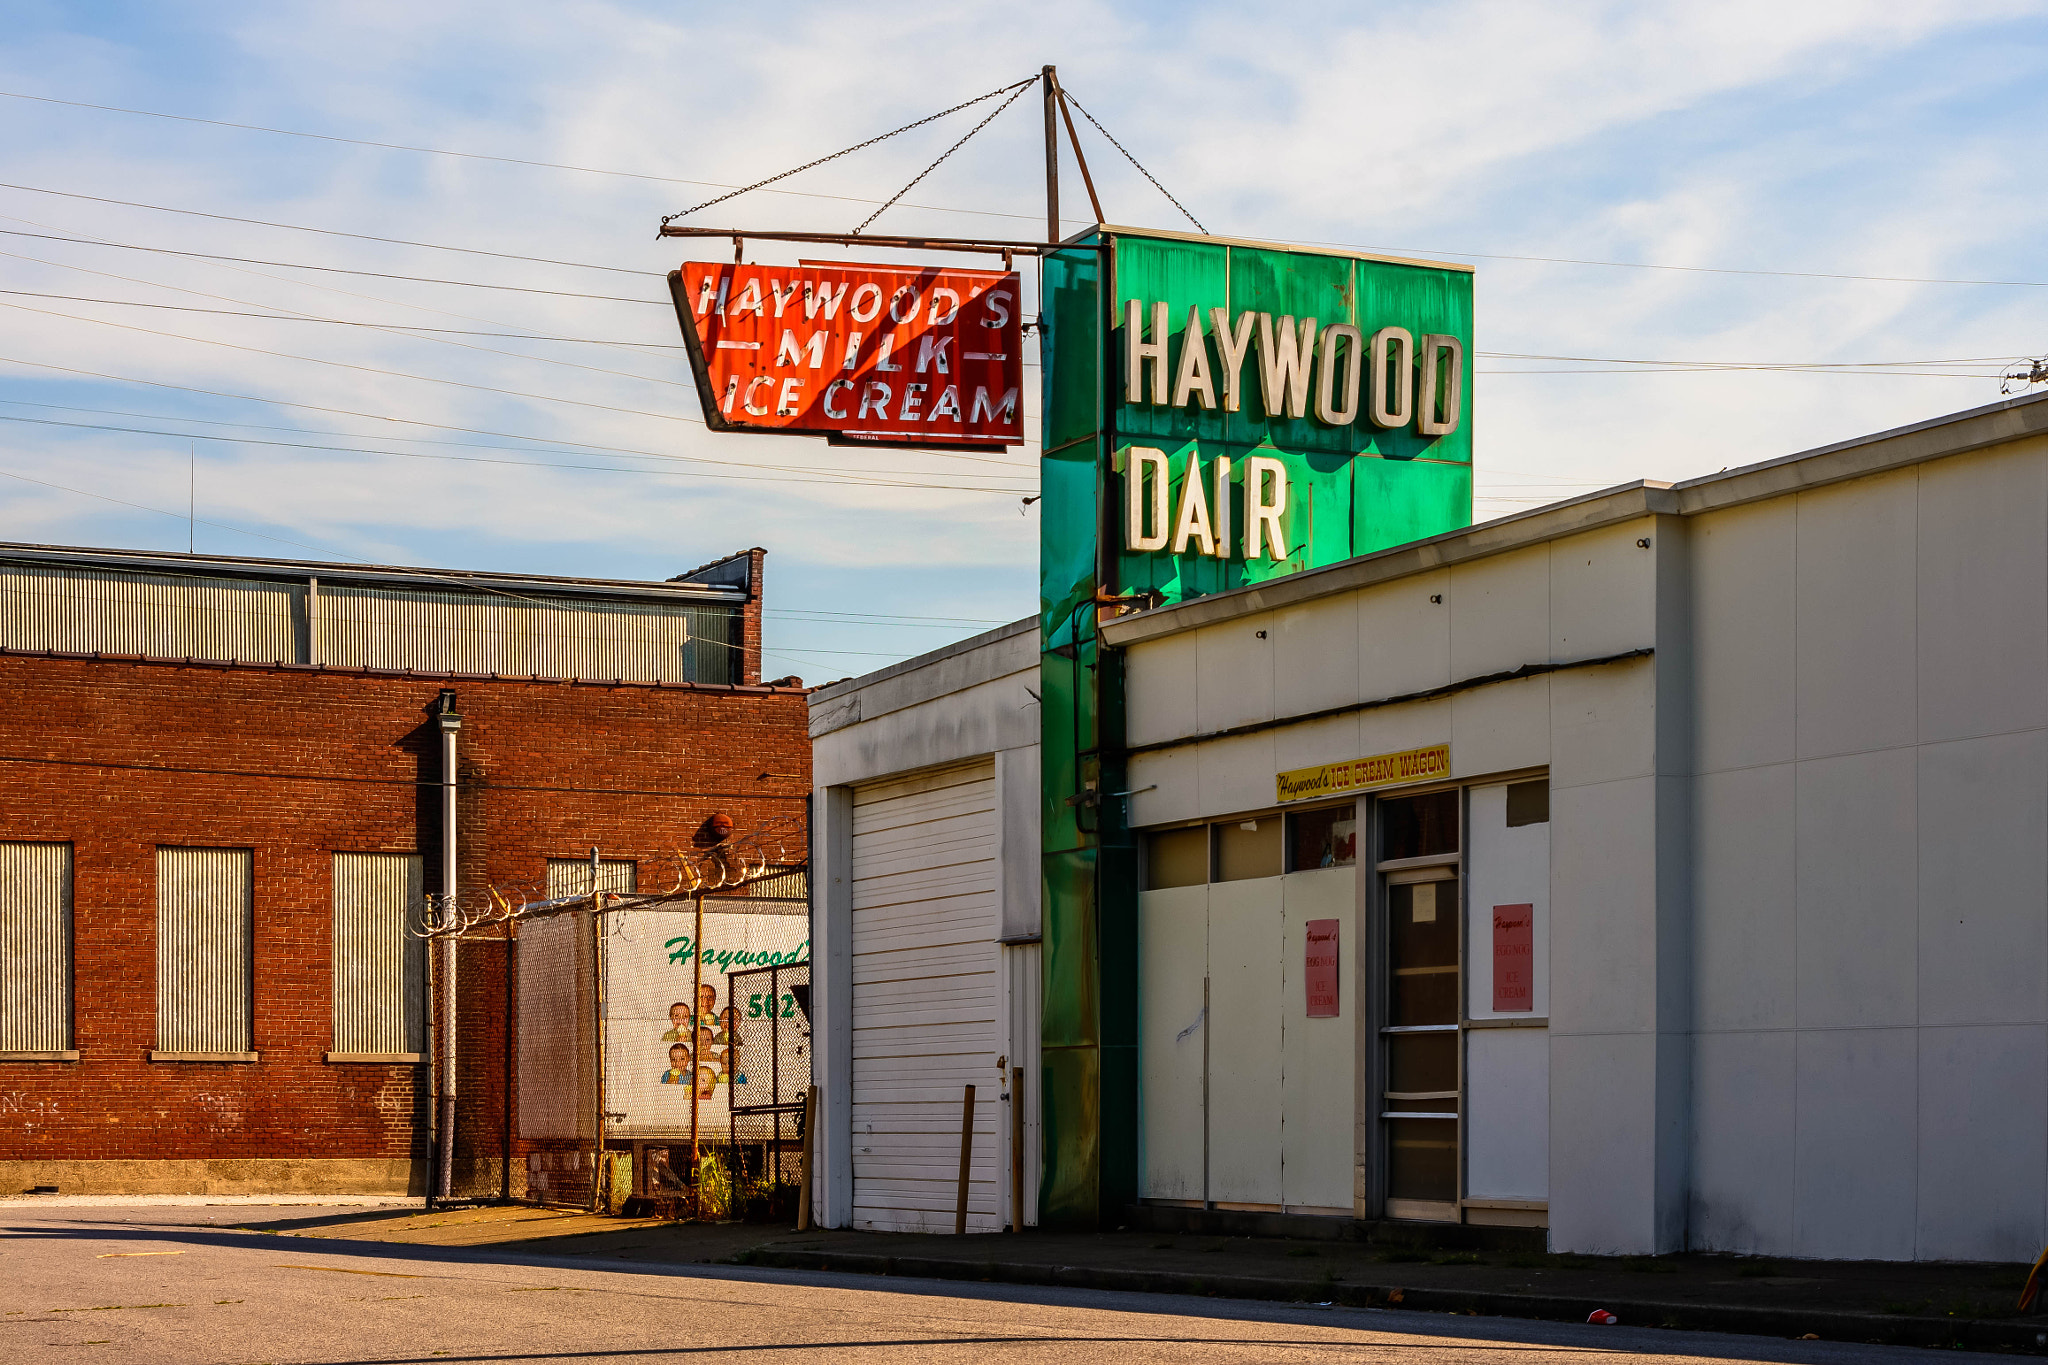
<point>1936,438</point>
<point>423,674</point>
<point>422,579</point>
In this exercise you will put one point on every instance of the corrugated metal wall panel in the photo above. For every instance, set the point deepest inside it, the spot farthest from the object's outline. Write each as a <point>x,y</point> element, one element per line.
<point>571,876</point>
<point>378,963</point>
<point>470,633</point>
<point>171,615</point>
<point>35,947</point>
<point>927,1001</point>
<point>203,949</point>
<point>265,621</point>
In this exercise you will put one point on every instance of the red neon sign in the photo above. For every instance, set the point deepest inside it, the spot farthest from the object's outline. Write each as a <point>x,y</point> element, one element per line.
<point>869,353</point>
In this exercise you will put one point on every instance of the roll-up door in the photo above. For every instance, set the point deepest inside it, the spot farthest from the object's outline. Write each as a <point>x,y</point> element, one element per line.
<point>926,999</point>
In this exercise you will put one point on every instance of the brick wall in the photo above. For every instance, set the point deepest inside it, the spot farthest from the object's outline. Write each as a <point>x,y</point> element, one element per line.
<point>549,768</point>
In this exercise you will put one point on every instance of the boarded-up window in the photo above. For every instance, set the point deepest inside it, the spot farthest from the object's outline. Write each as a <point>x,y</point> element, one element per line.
<point>203,950</point>
<point>377,960</point>
<point>35,947</point>
<point>571,876</point>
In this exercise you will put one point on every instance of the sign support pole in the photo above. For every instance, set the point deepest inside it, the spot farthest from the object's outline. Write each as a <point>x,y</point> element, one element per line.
<point>696,995</point>
<point>1050,77</point>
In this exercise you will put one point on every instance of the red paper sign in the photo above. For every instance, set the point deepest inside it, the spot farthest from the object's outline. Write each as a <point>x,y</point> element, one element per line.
<point>872,354</point>
<point>1514,958</point>
<point>1320,969</point>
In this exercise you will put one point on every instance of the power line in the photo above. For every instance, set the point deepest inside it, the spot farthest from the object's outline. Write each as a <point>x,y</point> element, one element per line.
<point>542,449</point>
<point>354,322</point>
<point>404,327</point>
<point>858,482</point>
<point>992,213</point>
<point>368,369</point>
<point>332,232</point>
<point>432,379</point>
<point>502,160</point>
<point>372,416</point>
<point>253,274</point>
<point>337,270</point>
<point>435,335</point>
<point>1685,269</point>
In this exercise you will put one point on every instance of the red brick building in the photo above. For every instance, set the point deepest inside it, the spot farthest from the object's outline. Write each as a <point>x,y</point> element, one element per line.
<point>208,857</point>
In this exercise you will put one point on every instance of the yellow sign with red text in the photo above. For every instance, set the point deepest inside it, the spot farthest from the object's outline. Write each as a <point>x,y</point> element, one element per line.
<point>1360,774</point>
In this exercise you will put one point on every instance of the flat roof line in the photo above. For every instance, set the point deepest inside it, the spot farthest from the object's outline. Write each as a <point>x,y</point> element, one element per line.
<point>472,580</point>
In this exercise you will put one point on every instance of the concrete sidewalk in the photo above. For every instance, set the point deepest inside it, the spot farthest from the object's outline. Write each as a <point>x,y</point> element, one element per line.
<point>1966,1306</point>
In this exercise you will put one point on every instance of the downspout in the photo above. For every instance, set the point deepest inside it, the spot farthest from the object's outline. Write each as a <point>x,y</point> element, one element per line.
<point>450,722</point>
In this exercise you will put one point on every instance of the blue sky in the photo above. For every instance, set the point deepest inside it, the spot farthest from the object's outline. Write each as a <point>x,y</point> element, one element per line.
<point>1825,138</point>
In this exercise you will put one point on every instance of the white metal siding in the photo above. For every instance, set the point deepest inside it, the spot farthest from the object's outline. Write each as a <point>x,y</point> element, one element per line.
<point>35,947</point>
<point>378,978</point>
<point>926,1000</point>
<point>203,949</point>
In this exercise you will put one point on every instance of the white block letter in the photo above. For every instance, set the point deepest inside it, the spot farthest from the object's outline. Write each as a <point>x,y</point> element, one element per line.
<point>1139,500</point>
<point>1142,355</point>
<point>1193,380</point>
<point>1263,537</point>
<point>1444,396</point>
<point>1393,385</point>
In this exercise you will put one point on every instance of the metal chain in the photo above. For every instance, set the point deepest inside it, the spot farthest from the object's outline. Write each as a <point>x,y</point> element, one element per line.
<point>1134,161</point>
<point>1014,93</point>
<point>1018,87</point>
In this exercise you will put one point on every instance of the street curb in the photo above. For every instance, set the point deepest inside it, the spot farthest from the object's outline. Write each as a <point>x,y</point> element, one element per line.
<point>1870,1328</point>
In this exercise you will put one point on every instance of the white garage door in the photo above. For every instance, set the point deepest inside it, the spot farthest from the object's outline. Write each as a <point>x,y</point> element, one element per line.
<point>926,999</point>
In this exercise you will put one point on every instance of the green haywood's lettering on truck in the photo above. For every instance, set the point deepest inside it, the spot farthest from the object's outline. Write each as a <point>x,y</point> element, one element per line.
<point>724,959</point>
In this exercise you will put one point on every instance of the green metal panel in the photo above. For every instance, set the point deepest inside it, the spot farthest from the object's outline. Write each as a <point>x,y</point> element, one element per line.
<point>1352,489</point>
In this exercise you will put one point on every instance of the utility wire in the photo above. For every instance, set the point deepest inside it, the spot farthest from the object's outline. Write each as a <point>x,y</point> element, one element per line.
<point>353,322</point>
<point>543,446</point>
<point>1686,269</point>
<point>406,327</point>
<point>856,481</point>
<point>292,281</point>
<point>1134,161</point>
<point>338,270</point>
<point>371,416</point>
<point>992,213</point>
<point>331,232</point>
<point>848,151</point>
<point>367,369</point>
<point>512,160</point>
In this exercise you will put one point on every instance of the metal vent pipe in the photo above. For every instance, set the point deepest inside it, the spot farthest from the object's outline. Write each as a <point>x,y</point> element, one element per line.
<point>450,722</point>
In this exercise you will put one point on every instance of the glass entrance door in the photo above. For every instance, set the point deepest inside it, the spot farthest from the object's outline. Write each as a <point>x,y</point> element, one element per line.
<point>1420,1098</point>
<point>1420,1053</point>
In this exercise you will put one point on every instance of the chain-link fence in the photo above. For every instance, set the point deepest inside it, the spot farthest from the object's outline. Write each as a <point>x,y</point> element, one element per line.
<point>771,1058</point>
<point>658,1053</point>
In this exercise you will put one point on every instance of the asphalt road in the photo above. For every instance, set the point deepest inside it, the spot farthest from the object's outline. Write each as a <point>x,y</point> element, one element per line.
<point>181,1284</point>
